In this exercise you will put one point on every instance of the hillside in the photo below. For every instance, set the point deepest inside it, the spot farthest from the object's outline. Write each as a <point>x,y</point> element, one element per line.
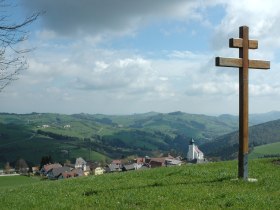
<point>267,150</point>
<point>205,186</point>
<point>102,137</point>
<point>226,146</point>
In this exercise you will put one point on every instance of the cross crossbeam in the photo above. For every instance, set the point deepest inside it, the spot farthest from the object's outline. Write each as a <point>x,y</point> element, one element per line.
<point>243,63</point>
<point>238,43</point>
<point>237,62</point>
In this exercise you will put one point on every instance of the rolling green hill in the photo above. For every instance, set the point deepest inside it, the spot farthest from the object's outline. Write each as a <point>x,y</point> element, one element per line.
<point>204,186</point>
<point>267,150</point>
<point>102,137</point>
<point>226,146</point>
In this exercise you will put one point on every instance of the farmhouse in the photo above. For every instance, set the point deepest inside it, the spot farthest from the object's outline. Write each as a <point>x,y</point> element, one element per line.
<point>46,168</point>
<point>56,173</point>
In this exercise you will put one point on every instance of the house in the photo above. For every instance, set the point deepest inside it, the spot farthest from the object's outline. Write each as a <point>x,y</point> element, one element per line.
<point>157,162</point>
<point>56,173</point>
<point>129,167</point>
<point>117,162</point>
<point>81,163</point>
<point>194,154</point>
<point>98,171</point>
<point>139,162</point>
<point>173,162</point>
<point>46,168</point>
<point>77,172</point>
<point>67,175</point>
<point>67,126</point>
<point>12,171</point>
<point>92,165</point>
<point>149,162</point>
<point>35,170</point>
<point>71,165</point>
<point>113,168</point>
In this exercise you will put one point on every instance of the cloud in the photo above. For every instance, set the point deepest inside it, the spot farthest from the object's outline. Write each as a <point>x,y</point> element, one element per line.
<point>72,17</point>
<point>262,17</point>
<point>113,72</point>
<point>86,74</point>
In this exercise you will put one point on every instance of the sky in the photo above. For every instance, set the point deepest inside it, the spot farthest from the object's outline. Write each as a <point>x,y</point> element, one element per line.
<point>130,56</point>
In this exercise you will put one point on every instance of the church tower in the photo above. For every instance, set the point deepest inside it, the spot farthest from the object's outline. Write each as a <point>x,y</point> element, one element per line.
<point>191,155</point>
<point>194,154</point>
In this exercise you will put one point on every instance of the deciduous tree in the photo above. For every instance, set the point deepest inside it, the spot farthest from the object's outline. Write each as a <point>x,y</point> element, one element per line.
<point>12,34</point>
<point>21,166</point>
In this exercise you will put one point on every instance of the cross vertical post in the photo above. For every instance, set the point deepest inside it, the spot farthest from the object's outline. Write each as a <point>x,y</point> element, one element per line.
<point>243,63</point>
<point>243,105</point>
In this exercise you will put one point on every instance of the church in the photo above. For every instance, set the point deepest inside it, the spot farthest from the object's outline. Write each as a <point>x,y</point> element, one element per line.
<point>194,154</point>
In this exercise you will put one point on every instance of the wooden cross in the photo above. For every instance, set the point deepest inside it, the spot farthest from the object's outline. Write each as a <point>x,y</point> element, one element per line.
<point>243,63</point>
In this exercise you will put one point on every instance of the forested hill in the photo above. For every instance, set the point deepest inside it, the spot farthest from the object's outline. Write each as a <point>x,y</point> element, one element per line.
<point>226,146</point>
<point>104,137</point>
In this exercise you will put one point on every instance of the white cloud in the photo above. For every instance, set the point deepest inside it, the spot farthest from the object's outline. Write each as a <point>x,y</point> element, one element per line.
<point>68,76</point>
<point>72,18</point>
<point>262,17</point>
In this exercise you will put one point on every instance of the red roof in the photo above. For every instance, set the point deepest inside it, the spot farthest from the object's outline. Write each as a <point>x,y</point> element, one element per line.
<point>51,166</point>
<point>140,160</point>
<point>159,160</point>
<point>117,162</point>
<point>197,150</point>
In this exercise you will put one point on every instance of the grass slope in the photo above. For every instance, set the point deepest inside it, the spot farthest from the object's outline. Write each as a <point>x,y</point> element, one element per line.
<point>207,186</point>
<point>226,146</point>
<point>17,181</point>
<point>265,150</point>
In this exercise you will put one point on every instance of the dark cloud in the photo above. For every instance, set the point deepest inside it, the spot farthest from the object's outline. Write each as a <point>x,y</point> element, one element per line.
<point>74,17</point>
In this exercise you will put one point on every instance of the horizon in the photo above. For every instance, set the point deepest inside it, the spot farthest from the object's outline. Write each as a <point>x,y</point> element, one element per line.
<point>142,113</point>
<point>133,57</point>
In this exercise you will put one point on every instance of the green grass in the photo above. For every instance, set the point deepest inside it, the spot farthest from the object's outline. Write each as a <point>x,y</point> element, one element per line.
<point>265,150</point>
<point>16,181</point>
<point>207,186</point>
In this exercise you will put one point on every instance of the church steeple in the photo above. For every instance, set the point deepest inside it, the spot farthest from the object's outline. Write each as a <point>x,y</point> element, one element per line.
<point>192,141</point>
<point>194,154</point>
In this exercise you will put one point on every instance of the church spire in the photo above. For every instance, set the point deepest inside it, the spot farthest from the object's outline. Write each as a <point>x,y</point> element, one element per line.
<point>191,141</point>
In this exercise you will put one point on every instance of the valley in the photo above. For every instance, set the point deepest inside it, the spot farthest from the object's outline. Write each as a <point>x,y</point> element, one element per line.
<point>104,137</point>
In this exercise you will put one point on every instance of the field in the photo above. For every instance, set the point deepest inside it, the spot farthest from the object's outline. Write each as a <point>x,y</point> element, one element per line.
<point>205,186</point>
<point>16,181</point>
<point>266,150</point>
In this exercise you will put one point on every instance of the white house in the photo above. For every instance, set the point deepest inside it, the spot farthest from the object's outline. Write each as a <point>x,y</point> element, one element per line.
<point>194,154</point>
<point>81,163</point>
<point>98,171</point>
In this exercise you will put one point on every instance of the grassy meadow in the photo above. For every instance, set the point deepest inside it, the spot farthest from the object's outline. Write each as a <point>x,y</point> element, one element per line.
<point>265,150</point>
<point>205,186</point>
<point>16,181</point>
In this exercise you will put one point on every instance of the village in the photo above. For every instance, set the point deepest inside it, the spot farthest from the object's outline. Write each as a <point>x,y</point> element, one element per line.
<point>55,171</point>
